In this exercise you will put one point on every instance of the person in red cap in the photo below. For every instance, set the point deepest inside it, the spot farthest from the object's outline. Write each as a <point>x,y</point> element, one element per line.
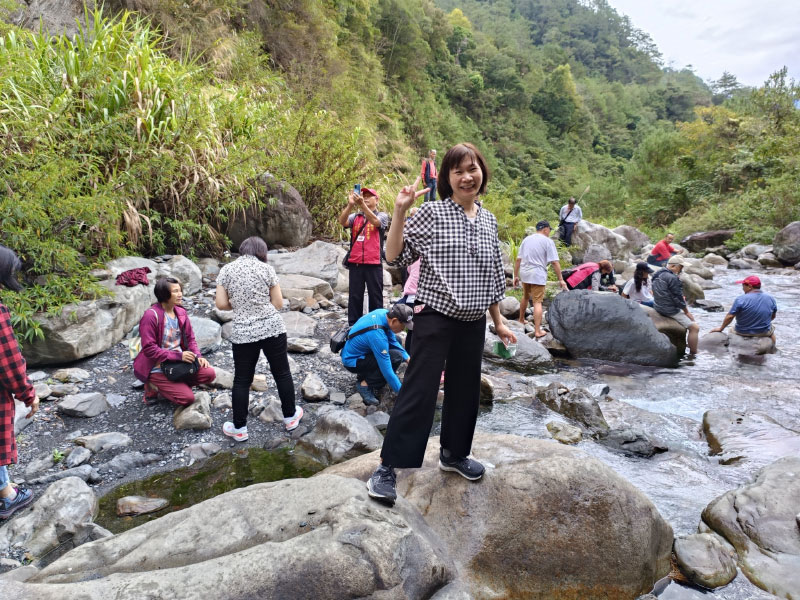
<point>367,228</point>
<point>754,311</point>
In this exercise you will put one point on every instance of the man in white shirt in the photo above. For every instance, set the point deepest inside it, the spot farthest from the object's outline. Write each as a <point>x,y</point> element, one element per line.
<point>569,216</point>
<point>535,252</point>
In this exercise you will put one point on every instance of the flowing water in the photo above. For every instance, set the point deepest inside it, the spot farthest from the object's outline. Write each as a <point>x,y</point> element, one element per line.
<point>684,480</point>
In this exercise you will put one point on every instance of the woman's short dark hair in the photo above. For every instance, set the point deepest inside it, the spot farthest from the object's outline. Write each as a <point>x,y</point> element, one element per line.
<point>9,264</point>
<point>163,289</point>
<point>254,246</point>
<point>452,159</point>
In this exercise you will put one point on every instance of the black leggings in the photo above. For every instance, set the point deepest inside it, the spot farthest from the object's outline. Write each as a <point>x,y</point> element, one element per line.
<point>245,358</point>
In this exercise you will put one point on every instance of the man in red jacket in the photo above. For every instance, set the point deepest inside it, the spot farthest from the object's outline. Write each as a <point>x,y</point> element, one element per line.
<point>13,382</point>
<point>662,251</point>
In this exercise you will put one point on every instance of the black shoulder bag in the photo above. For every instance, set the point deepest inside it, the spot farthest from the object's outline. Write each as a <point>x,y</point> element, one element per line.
<point>177,370</point>
<point>339,339</point>
<point>346,259</point>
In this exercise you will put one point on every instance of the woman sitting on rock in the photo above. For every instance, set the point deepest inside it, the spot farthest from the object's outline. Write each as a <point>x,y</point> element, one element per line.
<point>638,288</point>
<point>249,287</point>
<point>166,333</point>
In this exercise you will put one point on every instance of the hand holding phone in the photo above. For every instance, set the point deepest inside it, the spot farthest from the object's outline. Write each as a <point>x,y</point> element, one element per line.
<point>357,189</point>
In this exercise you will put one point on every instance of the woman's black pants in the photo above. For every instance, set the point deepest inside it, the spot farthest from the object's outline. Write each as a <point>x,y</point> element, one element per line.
<point>437,339</point>
<point>245,358</point>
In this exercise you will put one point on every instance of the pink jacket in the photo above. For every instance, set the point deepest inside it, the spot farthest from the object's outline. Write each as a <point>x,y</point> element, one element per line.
<point>151,330</point>
<point>412,282</point>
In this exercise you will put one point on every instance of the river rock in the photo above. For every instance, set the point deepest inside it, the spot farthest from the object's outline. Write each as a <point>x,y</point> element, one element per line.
<point>302,286</point>
<point>207,333</point>
<point>299,325</point>
<point>267,409</point>
<point>596,520</point>
<point>578,405</point>
<point>42,390</point>
<point>710,305</point>
<point>768,259</point>
<point>209,267</point>
<point>313,388</point>
<point>127,461</point>
<point>85,472</point>
<point>759,519</point>
<point>715,260</point>
<point>753,436</point>
<point>692,291</point>
<point>669,327</point>
<point>185,271</point>
<point>36,466</point>
<point>697,242</point>
<point>195,416</point>
<point>320,260</point>
<point>696,268</point>
<point>73,375</point>
<point>750,346</point>
<point>222,401</point>
<point>530,357</point>
<point>630,440</point>
<point>509,307</point>
<point>139,505</point>
<point>77,457</point>
<point>715,341</point>
<point>222,316</point>
<point>706,559</point>
<point>201,451</point>
<point>324,537</point>
<point>598,390</point>
<point>66,503</point>
<point>596,253</point>
<point>379,420</point>
<point>280,217</point>
<point>104,441</point>
<point>86,405</point>
<point>608,327</point>
<point>786,245</point>
<point>223,379</point>
<point>744,264</point>
<point>564,433</point>
<point>636,239</point>
<point>586,234</point>
<point>753,251</point>
<point>59,390</point>
<point>302,345</point>
<point>339,435</point>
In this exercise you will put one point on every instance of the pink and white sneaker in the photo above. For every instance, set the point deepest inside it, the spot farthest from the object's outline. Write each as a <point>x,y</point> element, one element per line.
<point>240,435</point>
<point>292,422</point>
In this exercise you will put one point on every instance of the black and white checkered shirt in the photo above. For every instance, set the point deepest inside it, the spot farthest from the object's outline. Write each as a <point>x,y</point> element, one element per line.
<point>461,273</point>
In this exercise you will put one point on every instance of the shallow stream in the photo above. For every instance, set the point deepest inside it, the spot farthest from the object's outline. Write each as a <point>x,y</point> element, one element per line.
<point>684,480</point>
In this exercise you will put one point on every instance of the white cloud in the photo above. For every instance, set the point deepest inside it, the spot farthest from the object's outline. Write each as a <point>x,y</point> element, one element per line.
<point>749,39</point>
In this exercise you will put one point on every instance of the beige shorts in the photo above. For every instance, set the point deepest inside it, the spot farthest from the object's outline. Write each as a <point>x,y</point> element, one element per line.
<point>681,318</point>
<point>762,334</point>
<point>536,292</point>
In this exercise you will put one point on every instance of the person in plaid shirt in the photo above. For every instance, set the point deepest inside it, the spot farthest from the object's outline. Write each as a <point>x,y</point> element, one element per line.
<point>461,276</point>
<point>13,382</point>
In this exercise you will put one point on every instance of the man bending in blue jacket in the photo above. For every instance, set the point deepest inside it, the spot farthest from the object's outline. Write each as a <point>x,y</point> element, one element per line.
<point>373,352</point>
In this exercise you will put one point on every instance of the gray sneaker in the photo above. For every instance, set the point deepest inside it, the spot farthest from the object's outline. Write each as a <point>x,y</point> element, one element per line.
<point>466,467</point>
<point>382,485</point>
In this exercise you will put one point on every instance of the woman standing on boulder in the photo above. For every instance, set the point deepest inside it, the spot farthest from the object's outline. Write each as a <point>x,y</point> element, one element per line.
<point>167,334</point>
<point>461,276</point>
<point>249,287</point>
<point>13,382</point>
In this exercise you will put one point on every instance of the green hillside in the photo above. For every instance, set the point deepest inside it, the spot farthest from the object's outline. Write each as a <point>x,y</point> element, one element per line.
<point>144,134</point>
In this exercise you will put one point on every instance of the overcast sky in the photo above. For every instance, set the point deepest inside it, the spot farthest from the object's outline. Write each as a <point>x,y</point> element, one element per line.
<point>749,38</point>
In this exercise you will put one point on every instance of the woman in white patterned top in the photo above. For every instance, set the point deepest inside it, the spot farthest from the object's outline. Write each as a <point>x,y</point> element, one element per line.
<point>250,287</point>
<point>461,276</point>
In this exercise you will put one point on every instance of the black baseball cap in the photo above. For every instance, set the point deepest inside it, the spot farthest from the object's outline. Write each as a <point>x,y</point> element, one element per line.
<point>403,313</point>
<point>542,225</point>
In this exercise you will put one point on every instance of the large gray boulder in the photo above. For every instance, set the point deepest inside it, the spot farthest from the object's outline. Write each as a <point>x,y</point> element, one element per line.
<point>608,327</point>
<point>302,286</point>
<point>669,327</point>
<point>786,245</point>
<point>207,333</point>
<point>586,234</point>
<point>760,520</point>
<point>546,521</point>
<point>706,559</point>
<point>340,434</point>
<point>65,504</point>
<point>735,436</point>
<point>701,240</point>
<point>57,17</point>
<point>283,220</point>
<point>636,239</point>
<point>531,356</point>
<point>185,271</point>
<point>321,260</point>
<point>298,325</point>
<point>319,538</point>
<point>89,327</point>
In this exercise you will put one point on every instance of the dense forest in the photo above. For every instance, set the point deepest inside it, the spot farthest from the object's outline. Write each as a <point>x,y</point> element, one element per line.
<point>147,130</point>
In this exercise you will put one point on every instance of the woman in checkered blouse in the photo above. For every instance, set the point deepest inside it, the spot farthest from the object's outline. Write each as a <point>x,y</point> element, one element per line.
<point>461,276</point>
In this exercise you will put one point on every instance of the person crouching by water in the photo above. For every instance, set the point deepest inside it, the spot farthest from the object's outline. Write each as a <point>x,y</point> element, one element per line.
<point>374,353</point>
<point>638,288</point>
<point>13,382</point>
<point>598,277</point>
<point>662,251</point>
<point>669,302</point>
<point>249,287</point>
<point>461,276</point>
<point>166,333</point>
<point>754,311</point>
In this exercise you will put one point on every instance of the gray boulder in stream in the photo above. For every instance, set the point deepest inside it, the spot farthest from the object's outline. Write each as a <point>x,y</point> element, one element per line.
<point>320,538</point>
<point>545,521</point>
<point>609,327</point>
<point>531,356</point>
<point>786,245</point>
<point>760,520</point>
